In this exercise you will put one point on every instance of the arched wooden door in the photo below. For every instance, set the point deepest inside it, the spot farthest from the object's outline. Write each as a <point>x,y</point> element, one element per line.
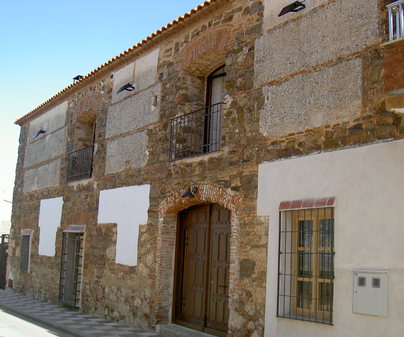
<point>202,269</point>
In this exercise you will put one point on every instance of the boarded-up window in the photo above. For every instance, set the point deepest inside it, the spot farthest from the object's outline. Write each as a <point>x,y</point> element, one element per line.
<point>25,252</point>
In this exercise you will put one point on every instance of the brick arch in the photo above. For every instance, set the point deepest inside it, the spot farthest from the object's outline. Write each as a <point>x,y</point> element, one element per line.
<point>167,232</point>
<point>205,193</point>
<point>207,52</point>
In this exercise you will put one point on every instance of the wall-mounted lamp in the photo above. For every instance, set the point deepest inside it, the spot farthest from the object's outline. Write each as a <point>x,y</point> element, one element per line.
<point>190,192</point>
<point>293,7</point>
<point>77,78</point>
<point>39,132</point>
<point>127,87</point>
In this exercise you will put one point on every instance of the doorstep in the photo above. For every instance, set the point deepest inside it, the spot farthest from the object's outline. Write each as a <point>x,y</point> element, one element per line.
<point>173,330</point>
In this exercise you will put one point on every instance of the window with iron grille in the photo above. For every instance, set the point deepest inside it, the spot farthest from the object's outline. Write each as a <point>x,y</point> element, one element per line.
<point>306,264</point>
<point>79,164</point>
<point>25,252</point>
<point>71,268</point>
<point>196,133</point>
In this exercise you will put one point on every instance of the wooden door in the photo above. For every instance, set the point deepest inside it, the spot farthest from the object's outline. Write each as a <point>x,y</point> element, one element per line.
<point>202,269</point>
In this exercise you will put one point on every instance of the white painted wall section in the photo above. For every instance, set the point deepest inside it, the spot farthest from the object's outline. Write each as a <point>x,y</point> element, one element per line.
<point>146,70</point>
<point>50,215</point>
<point>121,77</point>
<point>50,121</point>
<point>368,183</point>
<point>127,207</point>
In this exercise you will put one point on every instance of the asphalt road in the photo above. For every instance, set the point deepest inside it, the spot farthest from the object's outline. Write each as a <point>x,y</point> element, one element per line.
<point>13,325</point>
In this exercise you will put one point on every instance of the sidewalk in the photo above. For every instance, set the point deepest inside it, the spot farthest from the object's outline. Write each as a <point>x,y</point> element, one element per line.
<point>72,322</point>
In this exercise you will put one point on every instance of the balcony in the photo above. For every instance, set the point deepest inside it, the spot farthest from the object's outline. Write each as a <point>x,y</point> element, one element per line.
<point>79,164</point>
<point>196,133</point>
<point>396,20</point>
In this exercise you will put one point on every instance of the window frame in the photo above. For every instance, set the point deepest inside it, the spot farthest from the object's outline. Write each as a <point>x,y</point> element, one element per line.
<point>25,263</point>
<point>306,254</point>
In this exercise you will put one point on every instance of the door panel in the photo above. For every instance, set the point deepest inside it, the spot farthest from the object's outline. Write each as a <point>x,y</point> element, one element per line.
<point>203,257</point>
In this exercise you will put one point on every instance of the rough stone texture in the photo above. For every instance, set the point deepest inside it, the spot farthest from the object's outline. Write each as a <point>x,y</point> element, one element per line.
<point>45,148</point>
<point>49,121</point>
<point>317,37</point>
<point>146,70</point>
<point>314,99</point>
<point>143,295</point>
<point>120,77</point>
<point>134,112</point>
<point>273,8</point>
<point>44,176</point>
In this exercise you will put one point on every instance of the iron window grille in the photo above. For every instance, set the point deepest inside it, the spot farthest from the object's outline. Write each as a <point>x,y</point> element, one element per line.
<point>25,252</point>
<point>196,133</point>
<point>306,265</point>
<point>71,269</point>
<point>79,164</point>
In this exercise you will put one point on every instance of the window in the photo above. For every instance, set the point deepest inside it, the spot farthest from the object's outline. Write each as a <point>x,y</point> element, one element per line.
<point>25,249</point>
<point>80,160</point>
<point>199,132</point>
<point>306,263</point>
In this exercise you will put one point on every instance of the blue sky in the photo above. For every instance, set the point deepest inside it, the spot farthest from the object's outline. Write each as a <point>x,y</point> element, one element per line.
<point>44,44</point>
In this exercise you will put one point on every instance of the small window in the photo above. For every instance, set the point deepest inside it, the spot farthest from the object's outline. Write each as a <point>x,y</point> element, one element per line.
<point>375,282</point>
<point>25,250</point>
<point>306,264</point>
<point>361,281</point>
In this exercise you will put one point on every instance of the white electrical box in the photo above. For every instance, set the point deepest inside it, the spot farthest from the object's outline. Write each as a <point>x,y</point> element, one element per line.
<point>370,291</point>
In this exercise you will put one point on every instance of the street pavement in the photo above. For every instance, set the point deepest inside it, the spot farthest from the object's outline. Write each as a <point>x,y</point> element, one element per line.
<point>68,322</point>
<point>14,325</point>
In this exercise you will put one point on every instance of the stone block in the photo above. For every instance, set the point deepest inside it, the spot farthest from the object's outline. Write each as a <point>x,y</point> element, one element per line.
<point>45,148</point>
<point>49,121</point>
<point>44,176</point>
<point>120,78</point>
<point>338,29</point>
<point>312,100</point>
<point>133,112</point>
<point>126,152</point>
<point>146,70</point>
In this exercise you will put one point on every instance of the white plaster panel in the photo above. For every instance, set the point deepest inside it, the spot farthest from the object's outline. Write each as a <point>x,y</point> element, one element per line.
<point>146,70</point>
<point>50,215</point>
<point>338,29</point>
<point>126,152</point>
<point>120,78</point>
<point>314,99</point>
<point>272,8</point>
<point>134,112</point>
<point>44,176</point>
<point>127,207</point>
<point>49,121</point>
<point>368,184</point>
<point>45,148</point>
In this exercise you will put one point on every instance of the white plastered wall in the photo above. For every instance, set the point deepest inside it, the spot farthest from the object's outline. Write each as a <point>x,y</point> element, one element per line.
<point>368,183</point>
<point>131,112</point>
<point>50,215</point>
<point>127,207</point>
<point>142,73</point>
<point>43,151</point>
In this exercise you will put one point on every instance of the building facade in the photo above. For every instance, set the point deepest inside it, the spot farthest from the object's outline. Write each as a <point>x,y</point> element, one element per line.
<point>237,173</point>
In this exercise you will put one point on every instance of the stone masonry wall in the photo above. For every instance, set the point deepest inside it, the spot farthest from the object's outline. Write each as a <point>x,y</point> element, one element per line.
<point>229,33</point>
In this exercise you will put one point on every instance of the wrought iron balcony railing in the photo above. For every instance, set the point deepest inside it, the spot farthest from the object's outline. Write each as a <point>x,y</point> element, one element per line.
<point>396,20</point>
<point>79,164</point>
<point>196,133</point>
